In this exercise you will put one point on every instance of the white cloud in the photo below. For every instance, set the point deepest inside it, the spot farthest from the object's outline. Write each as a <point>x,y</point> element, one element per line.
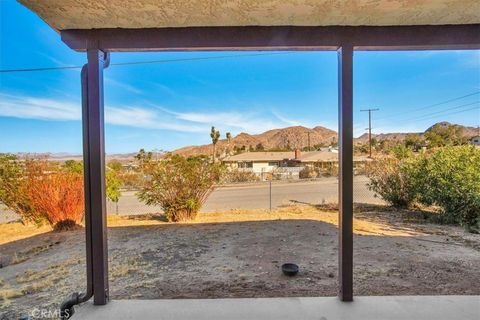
<point>122,85</point>
<point>290,122</point>
<point>233,121</point>
<point>38,108</point>
<point>144,117</point>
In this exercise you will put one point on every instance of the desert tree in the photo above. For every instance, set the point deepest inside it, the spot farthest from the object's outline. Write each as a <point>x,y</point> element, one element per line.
<point>229,140</point>
<point>215,135</point>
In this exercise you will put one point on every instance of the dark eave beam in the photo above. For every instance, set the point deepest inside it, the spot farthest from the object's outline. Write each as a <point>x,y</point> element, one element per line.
<point>278,38</point>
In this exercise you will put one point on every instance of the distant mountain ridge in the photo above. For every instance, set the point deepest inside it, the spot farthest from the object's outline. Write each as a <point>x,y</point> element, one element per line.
<point>275,139</point>
<point>468,132</point>
<point>297,137</point>
<point>293,137</point>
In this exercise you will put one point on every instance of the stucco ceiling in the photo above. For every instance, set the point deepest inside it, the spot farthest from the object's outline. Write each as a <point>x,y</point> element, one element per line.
<point>88,14</point>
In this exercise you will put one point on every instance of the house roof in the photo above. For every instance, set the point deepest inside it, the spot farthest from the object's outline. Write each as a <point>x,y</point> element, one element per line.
<point>314,156</point>
<point>261,156</point>
<point>90,14</point>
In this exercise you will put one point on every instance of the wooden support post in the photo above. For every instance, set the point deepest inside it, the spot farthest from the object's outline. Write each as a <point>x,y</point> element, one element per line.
<point>94,157</point>
<point>345,131</point>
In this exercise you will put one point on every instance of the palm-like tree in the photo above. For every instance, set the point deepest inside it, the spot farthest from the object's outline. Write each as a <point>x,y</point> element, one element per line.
<point>215,135</point>
<point>229,139</point>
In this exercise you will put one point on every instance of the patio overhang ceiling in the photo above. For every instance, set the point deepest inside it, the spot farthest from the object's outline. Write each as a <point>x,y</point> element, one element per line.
<point>317,24</point>
<point>99,14</point>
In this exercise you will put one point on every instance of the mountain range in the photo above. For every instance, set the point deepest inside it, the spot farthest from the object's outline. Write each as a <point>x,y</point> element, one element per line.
<point>468,132</point>
<point>275,139</point>
<point>290,137</point>
<point>300,137</point>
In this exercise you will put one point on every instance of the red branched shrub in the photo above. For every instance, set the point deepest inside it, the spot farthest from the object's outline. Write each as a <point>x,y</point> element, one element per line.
<point>56,196</point>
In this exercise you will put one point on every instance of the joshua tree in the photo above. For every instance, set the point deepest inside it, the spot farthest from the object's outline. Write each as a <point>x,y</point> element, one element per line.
<point>229,139</point>
<point>215,135</point>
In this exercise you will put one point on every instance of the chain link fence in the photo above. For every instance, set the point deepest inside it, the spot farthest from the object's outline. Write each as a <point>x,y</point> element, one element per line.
<point>259,195</point>
<point>246,196</point>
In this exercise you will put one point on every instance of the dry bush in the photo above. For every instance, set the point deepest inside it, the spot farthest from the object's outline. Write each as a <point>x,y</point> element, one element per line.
<point>55,196</point>
<point>179,185</point>
<point>234,176</point>
<point>391,179</point>
<point>308,173</point>
<point>38,191</point>
<point>328,170</point>
<point>130,180</point>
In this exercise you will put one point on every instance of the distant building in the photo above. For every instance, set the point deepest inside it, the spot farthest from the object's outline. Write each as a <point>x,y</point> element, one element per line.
<point>288,164</point>
<point>475,141</point>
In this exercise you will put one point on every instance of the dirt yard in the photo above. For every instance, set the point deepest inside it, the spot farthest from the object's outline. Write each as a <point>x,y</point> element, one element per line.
<point>238,254</point>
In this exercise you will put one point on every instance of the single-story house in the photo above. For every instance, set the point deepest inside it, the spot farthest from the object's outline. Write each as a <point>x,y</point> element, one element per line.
<point>291,162</point>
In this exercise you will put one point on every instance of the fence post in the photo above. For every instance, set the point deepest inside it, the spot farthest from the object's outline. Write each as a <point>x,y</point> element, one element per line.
<point>270,194</point>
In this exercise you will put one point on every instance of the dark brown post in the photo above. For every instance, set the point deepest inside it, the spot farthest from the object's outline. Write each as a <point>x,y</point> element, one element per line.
<point>345,140</point>
<point>94,155</point>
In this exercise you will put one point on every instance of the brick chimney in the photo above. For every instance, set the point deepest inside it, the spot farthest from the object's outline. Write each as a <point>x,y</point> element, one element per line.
<point>298,154</point>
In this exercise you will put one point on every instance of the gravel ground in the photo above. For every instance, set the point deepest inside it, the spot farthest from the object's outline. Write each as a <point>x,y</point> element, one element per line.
<point>226,255</point>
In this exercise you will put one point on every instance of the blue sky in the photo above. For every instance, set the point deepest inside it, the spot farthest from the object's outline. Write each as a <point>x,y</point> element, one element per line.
<point>170,105</point>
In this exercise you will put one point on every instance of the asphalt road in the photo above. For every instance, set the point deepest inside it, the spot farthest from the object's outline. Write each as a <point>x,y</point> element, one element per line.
<point>283,193</point>
<point>257,196</point>
<point>250,196</point>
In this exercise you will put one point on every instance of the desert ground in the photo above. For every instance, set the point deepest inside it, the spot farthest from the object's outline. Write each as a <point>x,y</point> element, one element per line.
<point>238,253</point>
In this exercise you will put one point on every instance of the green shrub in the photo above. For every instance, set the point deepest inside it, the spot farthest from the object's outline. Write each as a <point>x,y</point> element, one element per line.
<point>447,178</point>
<point>450,179</point>
<point>179,185</point>
<point>13,186</point>
<point>112,185</point>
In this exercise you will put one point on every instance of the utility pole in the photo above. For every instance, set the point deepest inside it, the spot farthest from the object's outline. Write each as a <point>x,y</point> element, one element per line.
<point>309,141</point>
<point>369,128</point>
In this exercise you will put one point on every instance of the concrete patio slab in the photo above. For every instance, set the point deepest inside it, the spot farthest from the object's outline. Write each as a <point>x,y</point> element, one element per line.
<point>318,308</point>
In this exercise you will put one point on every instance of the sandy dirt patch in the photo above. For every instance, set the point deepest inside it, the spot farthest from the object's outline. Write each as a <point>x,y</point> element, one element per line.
<point>239,254</point>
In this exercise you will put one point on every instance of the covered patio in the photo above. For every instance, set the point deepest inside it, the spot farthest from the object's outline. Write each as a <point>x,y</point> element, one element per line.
<point>100,27</point>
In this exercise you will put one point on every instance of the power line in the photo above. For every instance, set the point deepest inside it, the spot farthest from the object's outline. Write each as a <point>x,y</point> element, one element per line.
<point>450,113</point>
<point>433,116</point>
<point>420,117</point>
<point>432,105</point>
<point>149,62</point>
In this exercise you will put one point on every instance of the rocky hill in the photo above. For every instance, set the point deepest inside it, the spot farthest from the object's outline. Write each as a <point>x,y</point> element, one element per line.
<point>297,137</point>
<point>293,137</point>
<point>468,132</point>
